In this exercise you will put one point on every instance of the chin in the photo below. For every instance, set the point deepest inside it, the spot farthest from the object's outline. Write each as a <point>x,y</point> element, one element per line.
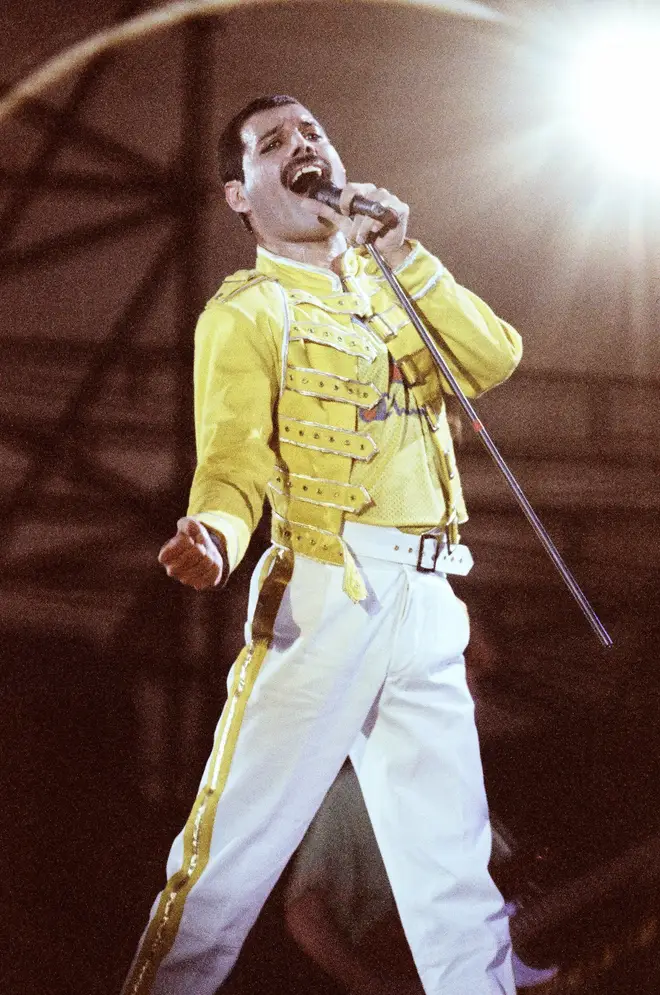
<point>318,232</point>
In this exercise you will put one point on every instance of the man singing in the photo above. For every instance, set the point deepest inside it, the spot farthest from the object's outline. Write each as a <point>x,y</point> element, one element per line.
<point>313,388</point>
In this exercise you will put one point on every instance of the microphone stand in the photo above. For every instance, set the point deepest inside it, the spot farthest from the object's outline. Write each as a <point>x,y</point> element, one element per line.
<point>550,548</point>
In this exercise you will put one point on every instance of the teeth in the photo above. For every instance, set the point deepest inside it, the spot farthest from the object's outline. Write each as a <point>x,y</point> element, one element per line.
<point>306,169</point>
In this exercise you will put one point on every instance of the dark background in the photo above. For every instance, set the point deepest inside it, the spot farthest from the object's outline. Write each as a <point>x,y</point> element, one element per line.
<point>113,236</point>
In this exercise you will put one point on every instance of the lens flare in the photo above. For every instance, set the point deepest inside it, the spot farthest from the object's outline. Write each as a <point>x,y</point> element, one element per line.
<point>613,91</point>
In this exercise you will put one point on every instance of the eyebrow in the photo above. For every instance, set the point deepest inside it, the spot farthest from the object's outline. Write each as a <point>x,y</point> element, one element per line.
<point>268,134</point>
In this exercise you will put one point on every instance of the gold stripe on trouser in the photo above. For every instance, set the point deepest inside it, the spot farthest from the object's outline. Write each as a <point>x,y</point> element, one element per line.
<point>163,928</point>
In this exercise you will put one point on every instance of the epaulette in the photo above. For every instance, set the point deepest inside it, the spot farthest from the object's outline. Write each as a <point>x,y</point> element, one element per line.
<point>236,284</point>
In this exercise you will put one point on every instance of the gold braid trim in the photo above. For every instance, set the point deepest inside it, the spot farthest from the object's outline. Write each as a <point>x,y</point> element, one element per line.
<point>163,928</point>
<point>320,545</point>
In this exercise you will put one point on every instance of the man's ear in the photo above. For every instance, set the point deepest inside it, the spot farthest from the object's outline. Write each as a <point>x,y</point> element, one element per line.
<point>235,197</point>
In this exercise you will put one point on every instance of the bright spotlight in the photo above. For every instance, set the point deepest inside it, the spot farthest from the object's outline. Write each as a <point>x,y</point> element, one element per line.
<point>613,93</point>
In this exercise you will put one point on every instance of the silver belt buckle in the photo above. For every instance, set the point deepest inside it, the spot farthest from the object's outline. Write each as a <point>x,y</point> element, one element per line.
<point>440,540</point>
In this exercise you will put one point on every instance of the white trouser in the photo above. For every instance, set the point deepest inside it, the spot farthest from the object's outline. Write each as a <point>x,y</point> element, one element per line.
<point>385,681</point>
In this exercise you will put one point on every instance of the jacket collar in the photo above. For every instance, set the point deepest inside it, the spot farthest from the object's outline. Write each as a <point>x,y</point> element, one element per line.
<point>301,276</point>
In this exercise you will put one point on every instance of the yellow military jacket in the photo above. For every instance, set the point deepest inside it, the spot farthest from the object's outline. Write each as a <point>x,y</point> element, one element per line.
<point>282,374</point>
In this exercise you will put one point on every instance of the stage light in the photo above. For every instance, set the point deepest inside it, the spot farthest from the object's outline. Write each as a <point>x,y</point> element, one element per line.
<point>613,93</point>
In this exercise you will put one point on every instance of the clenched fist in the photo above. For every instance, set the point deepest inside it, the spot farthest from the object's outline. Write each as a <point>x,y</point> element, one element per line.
<point>192,556</point>
<point>359,229</point>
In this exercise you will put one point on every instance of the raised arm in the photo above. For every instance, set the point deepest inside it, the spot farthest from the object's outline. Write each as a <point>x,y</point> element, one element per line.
<point>480,349</point>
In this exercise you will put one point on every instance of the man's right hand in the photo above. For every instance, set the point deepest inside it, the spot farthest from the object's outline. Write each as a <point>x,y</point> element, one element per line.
<point>192,557</point>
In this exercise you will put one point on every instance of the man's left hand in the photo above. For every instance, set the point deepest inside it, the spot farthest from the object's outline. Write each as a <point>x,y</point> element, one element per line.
<point>359,228</point>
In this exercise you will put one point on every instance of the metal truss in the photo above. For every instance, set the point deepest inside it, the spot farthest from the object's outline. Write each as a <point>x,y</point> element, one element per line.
<point>69,511</point>
<point>171,195</point>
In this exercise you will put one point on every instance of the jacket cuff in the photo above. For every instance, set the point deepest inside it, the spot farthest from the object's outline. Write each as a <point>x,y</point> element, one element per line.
<point>231,533</point>
<point>418,273</point>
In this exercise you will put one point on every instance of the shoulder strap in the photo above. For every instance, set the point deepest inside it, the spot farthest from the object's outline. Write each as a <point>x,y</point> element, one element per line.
<point>236,284</point>
<point>245,280</point>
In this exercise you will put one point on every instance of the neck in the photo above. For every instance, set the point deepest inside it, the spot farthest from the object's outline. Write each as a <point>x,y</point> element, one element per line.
<point>325,254</point>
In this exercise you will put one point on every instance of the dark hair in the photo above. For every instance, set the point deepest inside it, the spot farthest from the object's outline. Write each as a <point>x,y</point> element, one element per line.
<point>230,143</point>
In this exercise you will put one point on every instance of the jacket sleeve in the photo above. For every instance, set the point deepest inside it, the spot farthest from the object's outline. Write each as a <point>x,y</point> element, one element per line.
<point>479,348</point>
<point>236,379</point>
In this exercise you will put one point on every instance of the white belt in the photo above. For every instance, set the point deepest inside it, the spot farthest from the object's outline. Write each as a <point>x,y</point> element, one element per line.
<point>428,553</point>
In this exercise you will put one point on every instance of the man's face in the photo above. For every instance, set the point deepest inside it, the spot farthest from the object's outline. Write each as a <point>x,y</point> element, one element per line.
<point>278,143</point>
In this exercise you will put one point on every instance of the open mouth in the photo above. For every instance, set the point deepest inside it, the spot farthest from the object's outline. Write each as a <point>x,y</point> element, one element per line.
<point>301,176</point>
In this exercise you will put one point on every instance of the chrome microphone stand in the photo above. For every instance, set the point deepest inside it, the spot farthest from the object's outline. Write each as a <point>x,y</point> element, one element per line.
<point>479,428</point>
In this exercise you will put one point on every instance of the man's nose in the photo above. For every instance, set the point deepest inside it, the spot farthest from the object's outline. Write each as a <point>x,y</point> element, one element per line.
<point>301,146</point>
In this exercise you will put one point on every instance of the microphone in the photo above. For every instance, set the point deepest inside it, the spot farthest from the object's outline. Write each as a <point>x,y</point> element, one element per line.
<point>327,193</point>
